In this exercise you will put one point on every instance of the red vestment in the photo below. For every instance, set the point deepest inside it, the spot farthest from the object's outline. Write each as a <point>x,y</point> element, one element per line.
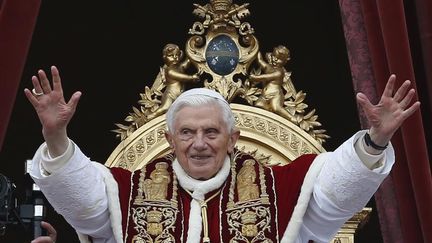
<point>146,214</point>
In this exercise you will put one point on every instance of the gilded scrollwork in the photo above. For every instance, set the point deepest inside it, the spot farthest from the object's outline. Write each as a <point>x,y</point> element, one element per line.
<point>225,52</point>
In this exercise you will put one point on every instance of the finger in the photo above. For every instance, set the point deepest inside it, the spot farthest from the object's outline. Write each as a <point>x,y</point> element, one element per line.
<point>46,87</point>
<point>33,100</point>
<point>73,102</point>
<point>401,92</point>
<point>388,91</point>
<point>50,229</point>
<point>42,239</point>
<point>408,112</point>
<point>57,86</point>
<point>36,84</point>
<point>364,102</point>
<point>407,99</point>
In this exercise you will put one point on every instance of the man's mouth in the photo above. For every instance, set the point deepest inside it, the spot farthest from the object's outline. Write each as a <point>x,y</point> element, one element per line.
<point>200,157</point>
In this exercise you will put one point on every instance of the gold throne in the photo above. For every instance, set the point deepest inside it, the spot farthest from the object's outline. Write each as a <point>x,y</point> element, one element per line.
<point>223,54</point>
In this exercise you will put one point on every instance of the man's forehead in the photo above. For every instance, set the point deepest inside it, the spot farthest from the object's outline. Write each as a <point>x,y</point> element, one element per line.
<point>209,115</point>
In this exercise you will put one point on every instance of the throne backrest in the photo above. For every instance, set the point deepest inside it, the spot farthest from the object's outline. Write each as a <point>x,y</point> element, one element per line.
<point>223,54</point>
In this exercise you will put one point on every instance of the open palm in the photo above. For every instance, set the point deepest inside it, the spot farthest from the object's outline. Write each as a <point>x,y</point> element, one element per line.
<point>390,112</point>
<point>53,111</point>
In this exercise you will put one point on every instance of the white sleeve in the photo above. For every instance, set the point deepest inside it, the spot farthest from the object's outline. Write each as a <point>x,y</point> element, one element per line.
<point>343,187</point>
<point>75,188</point>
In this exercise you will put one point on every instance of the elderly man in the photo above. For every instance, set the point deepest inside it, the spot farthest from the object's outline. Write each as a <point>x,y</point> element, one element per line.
<point>206,190</point>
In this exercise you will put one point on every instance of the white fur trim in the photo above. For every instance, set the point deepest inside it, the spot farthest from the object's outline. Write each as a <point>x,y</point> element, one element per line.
<point>293,227</point>
<point>199,188</point>
<point>113,205</point>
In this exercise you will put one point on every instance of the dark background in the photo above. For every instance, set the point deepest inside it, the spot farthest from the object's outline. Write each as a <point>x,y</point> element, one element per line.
<point>110,50</point>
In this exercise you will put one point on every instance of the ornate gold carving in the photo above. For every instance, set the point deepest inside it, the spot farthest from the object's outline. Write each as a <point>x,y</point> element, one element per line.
<point>346,233</point>
<point>246,187</point>
<point>274,78</point>
<point>262,83</point>
<point>156,187</point>
<point>219,14</point>
<point>167,86</point>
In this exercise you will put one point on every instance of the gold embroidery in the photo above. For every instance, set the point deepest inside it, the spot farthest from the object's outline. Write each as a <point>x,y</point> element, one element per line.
<point>233,157</point>
<point>156,188</point>
<point>154,214</point>
<point>264,195</point>
<point>249,218</point>
<point>139,200</point>
<point>246,187</point>
<point>137,239</point>
<point>249,229</point>
<point>154,227</point>
<point>249,224</point>
<point>154,224</point>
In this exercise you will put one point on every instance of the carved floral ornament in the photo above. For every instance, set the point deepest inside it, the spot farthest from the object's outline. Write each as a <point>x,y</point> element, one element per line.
<point>223,54</point>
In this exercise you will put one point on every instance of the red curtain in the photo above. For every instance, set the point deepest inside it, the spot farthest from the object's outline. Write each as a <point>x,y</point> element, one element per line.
<point>378,45</point>
<point>17,21</point>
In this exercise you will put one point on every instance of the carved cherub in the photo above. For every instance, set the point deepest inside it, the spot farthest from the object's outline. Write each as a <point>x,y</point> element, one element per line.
<point>173,75</point>
<point>274,78</point>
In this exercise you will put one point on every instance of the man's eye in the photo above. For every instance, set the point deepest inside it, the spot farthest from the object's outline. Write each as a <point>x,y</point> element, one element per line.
<point>184,131</point>
<point>211,132</point>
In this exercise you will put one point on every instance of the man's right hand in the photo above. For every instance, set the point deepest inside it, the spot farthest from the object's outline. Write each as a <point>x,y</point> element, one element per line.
<point>53,111</point>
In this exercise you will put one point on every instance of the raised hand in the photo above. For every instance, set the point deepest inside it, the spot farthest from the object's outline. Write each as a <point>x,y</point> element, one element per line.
<point>52,234</point>
<point>390,112</point>
<point>53,111</point>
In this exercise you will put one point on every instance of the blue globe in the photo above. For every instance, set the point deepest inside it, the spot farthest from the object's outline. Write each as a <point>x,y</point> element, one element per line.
<point>222,55</point>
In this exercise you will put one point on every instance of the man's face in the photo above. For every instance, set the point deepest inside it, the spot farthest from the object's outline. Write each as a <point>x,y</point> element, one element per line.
<point>201,140</point>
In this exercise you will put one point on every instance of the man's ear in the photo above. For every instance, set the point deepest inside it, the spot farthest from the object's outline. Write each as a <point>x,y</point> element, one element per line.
<point>169,138</point>
<point>235,135</point>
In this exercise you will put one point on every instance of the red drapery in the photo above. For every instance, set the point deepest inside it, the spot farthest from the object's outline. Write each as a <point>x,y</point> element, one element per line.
<point>378,44</point>
<point>17,21</point>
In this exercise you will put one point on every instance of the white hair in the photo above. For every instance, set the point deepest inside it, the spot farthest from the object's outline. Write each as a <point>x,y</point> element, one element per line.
<point>200,97</point>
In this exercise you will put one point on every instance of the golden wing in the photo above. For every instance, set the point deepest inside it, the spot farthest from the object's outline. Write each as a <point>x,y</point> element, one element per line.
<point>159,82</point>
<point>288,85</point>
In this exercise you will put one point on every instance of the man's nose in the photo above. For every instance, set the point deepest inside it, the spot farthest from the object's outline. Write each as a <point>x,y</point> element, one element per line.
<point>199,142</point>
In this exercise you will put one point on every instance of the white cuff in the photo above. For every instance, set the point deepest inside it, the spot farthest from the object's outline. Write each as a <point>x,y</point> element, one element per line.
<point>371,161</point>
<point>49,164</point>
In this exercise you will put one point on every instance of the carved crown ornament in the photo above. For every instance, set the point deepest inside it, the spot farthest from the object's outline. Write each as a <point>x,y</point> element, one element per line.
<point>223,54</point>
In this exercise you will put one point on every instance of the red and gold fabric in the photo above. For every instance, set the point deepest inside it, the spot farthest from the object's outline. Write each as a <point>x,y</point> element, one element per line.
<point>254,204</point>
